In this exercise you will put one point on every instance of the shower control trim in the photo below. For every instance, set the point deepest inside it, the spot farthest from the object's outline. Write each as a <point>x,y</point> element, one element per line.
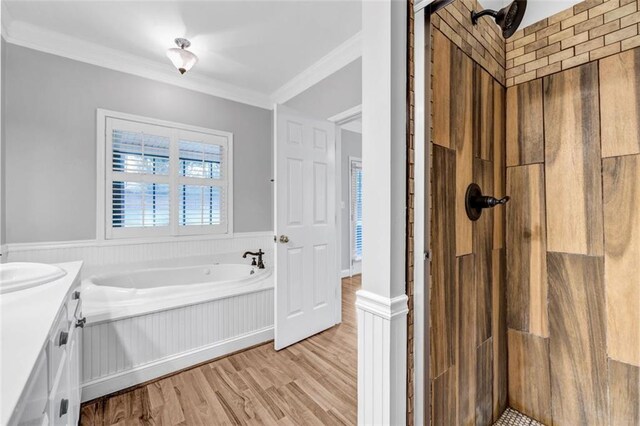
<point>475,202</point>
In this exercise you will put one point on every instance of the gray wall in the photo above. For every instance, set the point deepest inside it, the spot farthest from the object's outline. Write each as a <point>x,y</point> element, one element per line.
<point>50,129</point>
<point>334,94</point>
<point>351,147</point>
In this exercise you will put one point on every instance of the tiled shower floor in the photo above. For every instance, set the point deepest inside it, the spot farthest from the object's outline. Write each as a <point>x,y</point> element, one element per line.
<point>512,417</point>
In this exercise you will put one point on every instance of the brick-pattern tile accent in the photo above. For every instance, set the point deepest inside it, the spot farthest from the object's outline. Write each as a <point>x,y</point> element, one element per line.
<point>410,206</point>
<point>483,42</point>
<point>586,32</point>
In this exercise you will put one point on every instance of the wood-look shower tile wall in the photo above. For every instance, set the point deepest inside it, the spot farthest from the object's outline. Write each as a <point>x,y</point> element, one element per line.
<point>573,244</point>
<point>483,42</point>
<point>468,292</point>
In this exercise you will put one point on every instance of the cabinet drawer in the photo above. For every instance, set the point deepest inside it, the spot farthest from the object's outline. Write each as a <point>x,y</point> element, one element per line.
<point>75,369</point>
<point>58,341</point>
<point>59,403</point>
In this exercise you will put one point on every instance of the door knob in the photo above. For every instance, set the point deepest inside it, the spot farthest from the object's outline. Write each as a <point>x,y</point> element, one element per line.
<point>284,239</point>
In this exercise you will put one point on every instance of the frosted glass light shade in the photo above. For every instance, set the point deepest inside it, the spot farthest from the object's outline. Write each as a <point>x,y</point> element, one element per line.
<point>182,59</point>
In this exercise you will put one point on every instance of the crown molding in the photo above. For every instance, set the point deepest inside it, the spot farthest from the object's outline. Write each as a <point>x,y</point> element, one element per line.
<point>349,119</point>
<point>338,58</point>
<point>32,37</point>
<point>347,116</point>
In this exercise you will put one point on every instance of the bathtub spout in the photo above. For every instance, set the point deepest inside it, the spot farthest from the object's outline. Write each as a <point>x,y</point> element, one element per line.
<point>259,254</point>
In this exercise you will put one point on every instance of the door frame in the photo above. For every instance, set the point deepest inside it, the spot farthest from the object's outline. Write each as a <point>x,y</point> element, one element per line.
<point>341,120</point>
<point>352,270</point>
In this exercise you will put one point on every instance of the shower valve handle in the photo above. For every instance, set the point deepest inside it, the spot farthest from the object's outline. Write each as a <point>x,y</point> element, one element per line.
<point>488,201</point>
<point>475,201</point>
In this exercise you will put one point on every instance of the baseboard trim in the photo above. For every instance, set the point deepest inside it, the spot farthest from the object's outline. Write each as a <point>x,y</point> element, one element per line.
<point>345,273</point>
<point>148,372</point>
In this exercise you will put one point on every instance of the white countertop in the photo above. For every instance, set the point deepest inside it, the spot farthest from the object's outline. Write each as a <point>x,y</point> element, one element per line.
<point>26,318</point>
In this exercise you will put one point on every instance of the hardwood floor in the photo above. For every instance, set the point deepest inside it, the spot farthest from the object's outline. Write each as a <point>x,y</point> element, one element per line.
<point>310,383</point>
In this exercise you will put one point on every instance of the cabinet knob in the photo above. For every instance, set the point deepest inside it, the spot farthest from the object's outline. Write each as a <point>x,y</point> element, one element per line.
<point>64,406</point>
<point>80,322</point>
<point>64,338</point>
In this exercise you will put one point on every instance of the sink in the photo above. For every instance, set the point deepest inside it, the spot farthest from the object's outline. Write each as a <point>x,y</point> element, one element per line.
<point>22,275</point>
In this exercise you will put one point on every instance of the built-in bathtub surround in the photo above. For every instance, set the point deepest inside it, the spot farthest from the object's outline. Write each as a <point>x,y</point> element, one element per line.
<point>573,241</point>
<point>146,323</point>
<point>588,31</point>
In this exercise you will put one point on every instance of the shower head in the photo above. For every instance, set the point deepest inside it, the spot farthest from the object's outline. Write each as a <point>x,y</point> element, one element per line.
<point>508,18</point>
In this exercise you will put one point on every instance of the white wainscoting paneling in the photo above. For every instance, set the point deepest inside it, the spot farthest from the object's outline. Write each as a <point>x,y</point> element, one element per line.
<point>125,352</point>
<point>96,254</point>
<point>382,359</point>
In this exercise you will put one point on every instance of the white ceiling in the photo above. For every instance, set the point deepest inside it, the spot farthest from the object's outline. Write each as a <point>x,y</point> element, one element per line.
<point>255,46</point>
<point>536,9</point>
<point>259,52</point>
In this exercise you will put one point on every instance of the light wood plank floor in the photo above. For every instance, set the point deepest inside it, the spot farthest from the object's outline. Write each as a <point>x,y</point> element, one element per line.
<point>310,383</point>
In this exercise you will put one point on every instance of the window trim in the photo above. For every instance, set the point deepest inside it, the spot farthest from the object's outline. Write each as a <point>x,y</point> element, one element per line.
<point>103,174</point>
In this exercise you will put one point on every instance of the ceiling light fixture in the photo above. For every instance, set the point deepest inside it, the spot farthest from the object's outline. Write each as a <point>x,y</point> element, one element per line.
<point>182,58</point>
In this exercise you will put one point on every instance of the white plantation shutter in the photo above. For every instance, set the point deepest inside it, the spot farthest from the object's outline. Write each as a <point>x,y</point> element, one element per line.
<point>201,205</point>
<point>138,152</point>
<point>140,204</point>
<point>201,160</point>
<point>203,182</point>
<point>162,180</point>
<point>356,210</point>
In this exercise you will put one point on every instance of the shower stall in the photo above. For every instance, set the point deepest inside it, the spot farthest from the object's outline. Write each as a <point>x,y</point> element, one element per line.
<point>533,306</point>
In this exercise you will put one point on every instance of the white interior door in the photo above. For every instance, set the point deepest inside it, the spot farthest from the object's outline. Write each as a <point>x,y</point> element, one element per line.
<point>307,290</point>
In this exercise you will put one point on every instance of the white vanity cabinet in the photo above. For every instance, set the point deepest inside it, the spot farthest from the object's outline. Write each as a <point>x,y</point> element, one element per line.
<point>52,392</point>
<point>64,364</point>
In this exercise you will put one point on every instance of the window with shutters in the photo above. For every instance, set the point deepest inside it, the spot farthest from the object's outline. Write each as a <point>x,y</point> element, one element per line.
<point>164,179</point>
<point>356,211</point>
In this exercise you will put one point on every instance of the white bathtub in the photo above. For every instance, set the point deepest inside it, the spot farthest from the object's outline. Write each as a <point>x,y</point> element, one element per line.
<point>146,323</point>
<point>123,294</point>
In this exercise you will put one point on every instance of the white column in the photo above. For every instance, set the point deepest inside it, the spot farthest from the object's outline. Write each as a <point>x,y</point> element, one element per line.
<point>382,302</point>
